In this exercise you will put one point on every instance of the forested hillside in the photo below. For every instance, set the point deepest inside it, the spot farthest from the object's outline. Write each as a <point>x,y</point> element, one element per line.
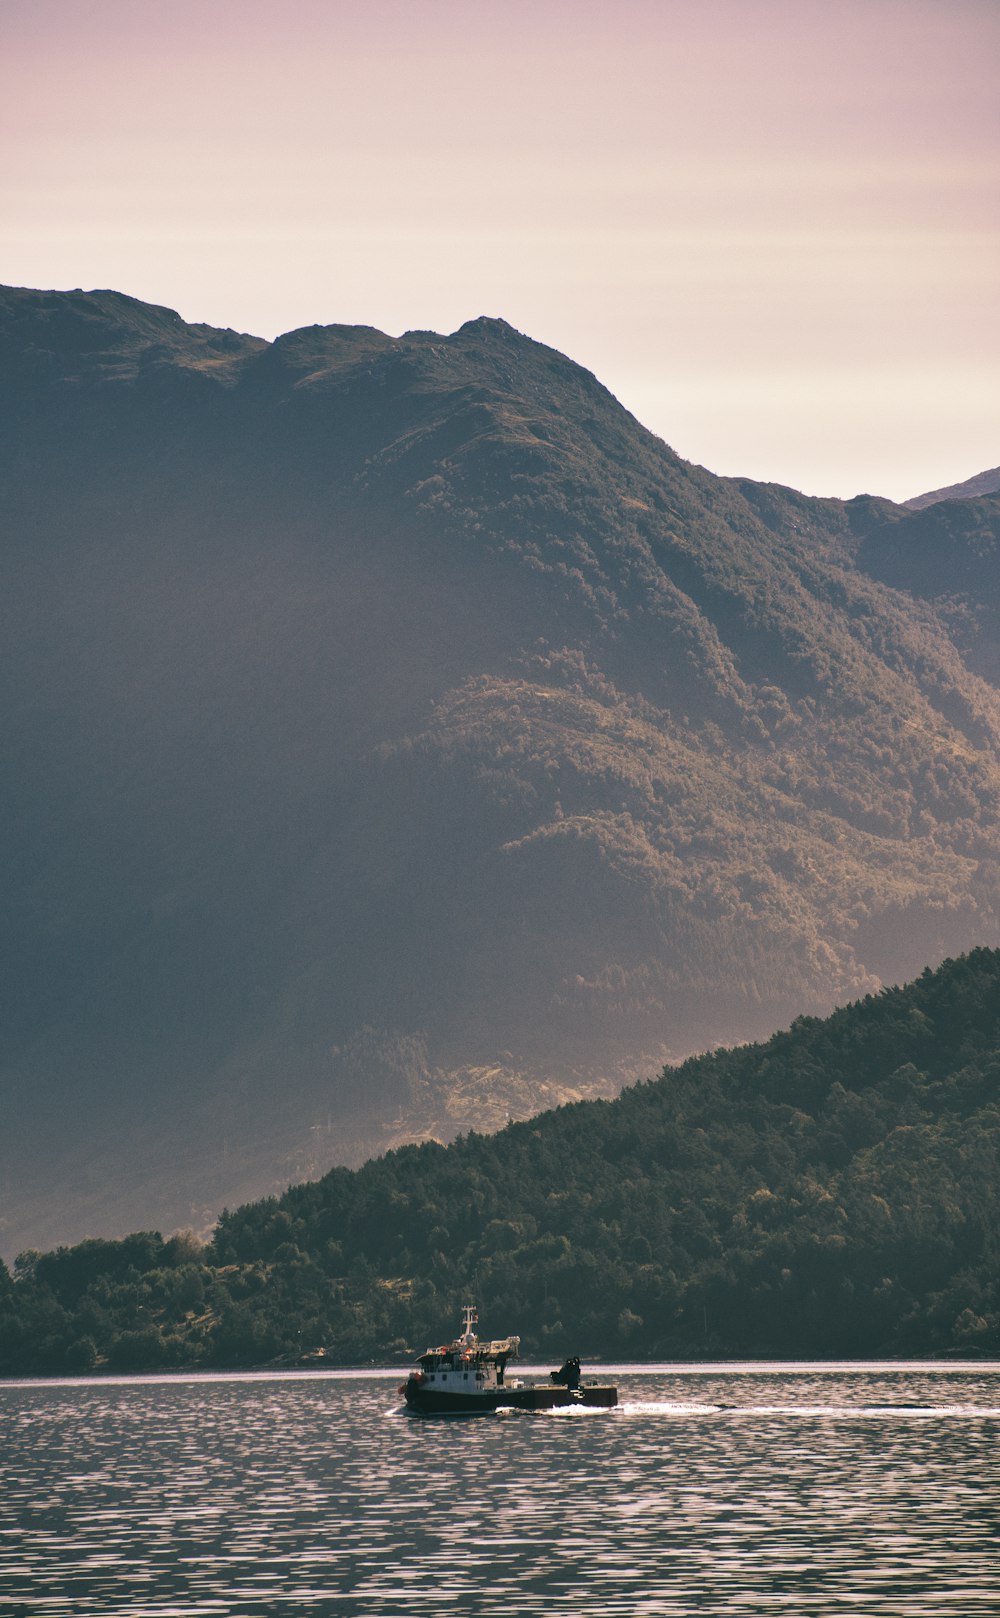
<point>833,1191</point>
<point>400,739</point>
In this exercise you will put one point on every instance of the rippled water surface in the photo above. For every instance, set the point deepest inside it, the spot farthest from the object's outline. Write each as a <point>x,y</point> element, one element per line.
<point>730,1491</point>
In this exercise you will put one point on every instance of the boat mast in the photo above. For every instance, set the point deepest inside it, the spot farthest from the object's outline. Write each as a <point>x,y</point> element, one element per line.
<point>471,1321</point>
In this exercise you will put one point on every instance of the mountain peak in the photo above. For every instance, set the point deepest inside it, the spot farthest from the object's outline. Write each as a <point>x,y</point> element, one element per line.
<point>491,326</point>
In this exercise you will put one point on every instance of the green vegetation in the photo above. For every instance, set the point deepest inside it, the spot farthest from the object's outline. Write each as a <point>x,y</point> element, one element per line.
<point>833,1191</point>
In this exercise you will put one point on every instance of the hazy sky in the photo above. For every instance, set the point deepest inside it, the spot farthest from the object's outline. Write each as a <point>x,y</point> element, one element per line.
<point>770,226</point>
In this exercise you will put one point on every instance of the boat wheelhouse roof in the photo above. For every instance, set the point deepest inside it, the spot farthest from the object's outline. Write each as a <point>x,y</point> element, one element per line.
<point>499,1349</point>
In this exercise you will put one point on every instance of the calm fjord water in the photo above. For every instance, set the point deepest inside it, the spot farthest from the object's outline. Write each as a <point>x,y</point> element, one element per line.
<point>738,1491</point>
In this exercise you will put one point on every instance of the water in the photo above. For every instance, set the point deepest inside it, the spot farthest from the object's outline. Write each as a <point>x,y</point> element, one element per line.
<point>726,1491</point>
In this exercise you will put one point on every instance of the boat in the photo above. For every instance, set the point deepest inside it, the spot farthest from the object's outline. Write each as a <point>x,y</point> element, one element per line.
<point>468,1377</point>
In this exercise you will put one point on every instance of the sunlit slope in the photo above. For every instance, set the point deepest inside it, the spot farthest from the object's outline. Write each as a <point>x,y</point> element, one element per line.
<point>401,738</point>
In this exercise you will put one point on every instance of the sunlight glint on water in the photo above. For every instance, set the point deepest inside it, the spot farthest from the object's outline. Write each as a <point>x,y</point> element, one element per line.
<point>790,1491</point>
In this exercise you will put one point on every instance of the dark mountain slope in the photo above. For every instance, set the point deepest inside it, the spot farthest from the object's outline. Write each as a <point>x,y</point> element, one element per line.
<point>949,555</point>
<point>399,738</point>
<point>832,1191</point>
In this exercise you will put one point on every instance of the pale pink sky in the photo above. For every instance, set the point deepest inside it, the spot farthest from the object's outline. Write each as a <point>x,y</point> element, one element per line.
<point>770,226</point>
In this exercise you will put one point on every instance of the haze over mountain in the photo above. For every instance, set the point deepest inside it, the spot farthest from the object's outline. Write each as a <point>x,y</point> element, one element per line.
<point>399,738</point>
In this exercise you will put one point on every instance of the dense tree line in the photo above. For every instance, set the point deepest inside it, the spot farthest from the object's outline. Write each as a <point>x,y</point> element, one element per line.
<point>833,1191</point>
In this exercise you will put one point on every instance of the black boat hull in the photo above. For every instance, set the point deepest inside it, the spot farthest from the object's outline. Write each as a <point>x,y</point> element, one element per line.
<point>424,1401</point>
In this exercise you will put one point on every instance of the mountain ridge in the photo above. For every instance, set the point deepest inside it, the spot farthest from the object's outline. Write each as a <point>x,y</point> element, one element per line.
<point>397,721</point>
<point>970,489</point>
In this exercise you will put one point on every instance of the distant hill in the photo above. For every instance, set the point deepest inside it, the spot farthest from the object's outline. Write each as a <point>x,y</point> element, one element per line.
<point>833,1191</point>
<point>948,555</point>
<point>982,483</point>
<point>400,739</point>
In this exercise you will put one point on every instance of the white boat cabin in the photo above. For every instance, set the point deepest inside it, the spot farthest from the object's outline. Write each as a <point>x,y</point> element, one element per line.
<point>467,1365</point>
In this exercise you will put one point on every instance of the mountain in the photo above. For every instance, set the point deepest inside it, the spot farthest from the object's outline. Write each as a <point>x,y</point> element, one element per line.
<point>949,556</point>
<point>982,483</point>
<point>399,738</point>
<point>833,1191</point>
